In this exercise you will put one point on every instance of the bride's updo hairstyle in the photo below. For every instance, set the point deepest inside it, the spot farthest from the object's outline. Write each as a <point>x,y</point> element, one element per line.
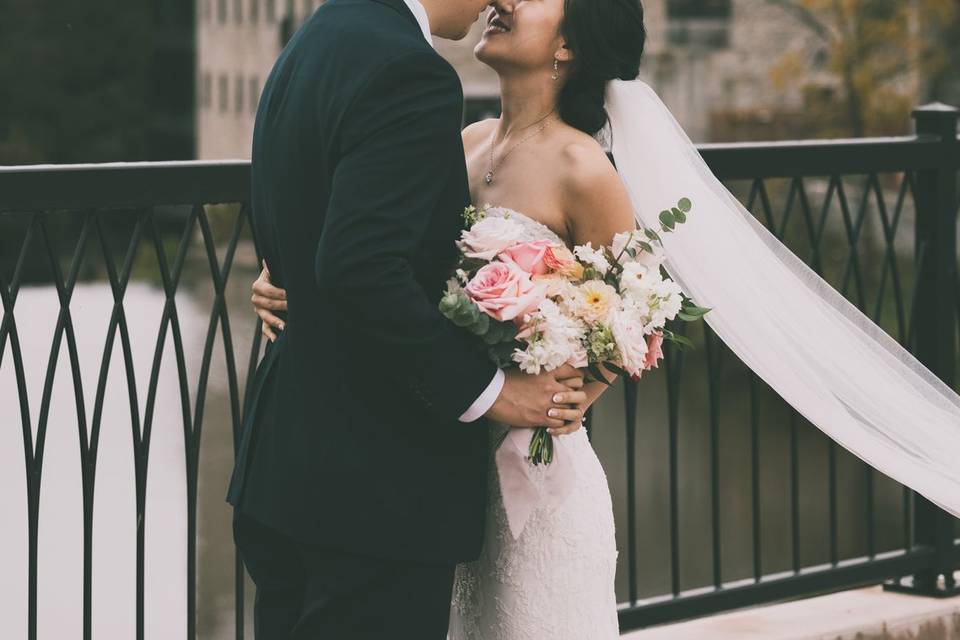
<point>606,38</point>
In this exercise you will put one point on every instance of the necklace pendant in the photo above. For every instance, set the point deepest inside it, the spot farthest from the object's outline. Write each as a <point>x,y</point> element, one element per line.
<point>489,177</point>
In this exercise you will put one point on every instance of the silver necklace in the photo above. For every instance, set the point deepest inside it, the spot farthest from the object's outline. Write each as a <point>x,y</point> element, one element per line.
<point>495,164</point>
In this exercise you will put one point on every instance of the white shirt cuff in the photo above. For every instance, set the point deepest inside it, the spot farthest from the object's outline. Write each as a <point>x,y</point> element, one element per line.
<point>482,404</point>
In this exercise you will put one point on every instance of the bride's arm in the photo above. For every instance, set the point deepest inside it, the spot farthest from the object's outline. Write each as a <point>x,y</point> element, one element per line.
<point>596,207</point>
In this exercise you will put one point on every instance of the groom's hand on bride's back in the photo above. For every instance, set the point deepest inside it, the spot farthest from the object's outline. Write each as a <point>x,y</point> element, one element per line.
<point>266,300</point>
<point>552,399</point>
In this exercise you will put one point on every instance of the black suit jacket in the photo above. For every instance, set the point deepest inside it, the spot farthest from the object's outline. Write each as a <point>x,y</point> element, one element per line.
<point>352,438</point>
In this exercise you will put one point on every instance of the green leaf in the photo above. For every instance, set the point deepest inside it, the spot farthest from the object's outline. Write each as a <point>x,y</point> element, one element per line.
<point>481,326</point>
<point>646,246</point>
<point>652,235</point>
<point>598,374</point>
<point>615,369</point>
<point>449,304</point>
<point>694,310</point>
<point>666,219</point>
<point>687,317</point>
<point>681,340</point>
<point>685,205</point>
<point>680,216</point>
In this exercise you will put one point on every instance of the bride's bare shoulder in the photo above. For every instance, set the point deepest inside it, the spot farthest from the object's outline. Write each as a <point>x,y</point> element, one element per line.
<point>587,171</point>
<point>478,133</point>
<point>596,203</point>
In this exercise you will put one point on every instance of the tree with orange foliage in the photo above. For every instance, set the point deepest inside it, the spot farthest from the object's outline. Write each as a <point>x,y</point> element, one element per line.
<point>882,57</point>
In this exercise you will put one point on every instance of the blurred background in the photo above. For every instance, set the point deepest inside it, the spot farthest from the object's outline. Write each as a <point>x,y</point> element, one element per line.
<point>146,80</point>
<point>124,80</point>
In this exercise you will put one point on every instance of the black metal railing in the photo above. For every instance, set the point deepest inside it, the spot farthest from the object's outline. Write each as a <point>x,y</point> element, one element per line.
<point>877,218</point>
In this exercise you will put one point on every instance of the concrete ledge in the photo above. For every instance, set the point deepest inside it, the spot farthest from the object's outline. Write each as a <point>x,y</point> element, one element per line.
<point>860,614</point>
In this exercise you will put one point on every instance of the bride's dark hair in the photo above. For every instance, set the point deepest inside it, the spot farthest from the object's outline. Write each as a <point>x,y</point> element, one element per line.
<point>606,38</point>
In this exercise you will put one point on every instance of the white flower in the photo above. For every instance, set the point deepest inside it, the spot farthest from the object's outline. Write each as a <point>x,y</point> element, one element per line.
<point>622,241</point>
<point>552,337</point>
<point>628,332</point>
<point>668,302</point>
<point>593,257</point>
<point>638,280</point>
<point>453,286</point>
<point>595,300</point>
<point>488,237</point>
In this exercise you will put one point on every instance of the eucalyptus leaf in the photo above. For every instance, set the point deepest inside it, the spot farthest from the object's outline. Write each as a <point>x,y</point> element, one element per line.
<point>481,326</point>
<point>685,205</point>
<point>666,219</point>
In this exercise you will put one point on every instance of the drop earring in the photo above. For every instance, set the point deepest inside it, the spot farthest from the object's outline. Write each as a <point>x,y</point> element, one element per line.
<point>556,70</point>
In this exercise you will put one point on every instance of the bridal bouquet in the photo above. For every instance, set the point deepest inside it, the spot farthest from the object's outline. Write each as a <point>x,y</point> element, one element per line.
<point>537,305</point>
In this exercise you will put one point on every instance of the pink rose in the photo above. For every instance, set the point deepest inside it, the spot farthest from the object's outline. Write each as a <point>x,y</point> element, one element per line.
<point>505,292</point>
<point>654,350</point>
<point>529,256</point>
<point>561,260</point>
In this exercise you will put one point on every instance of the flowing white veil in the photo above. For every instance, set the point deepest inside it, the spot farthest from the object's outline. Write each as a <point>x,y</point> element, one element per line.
<point>816,349</point>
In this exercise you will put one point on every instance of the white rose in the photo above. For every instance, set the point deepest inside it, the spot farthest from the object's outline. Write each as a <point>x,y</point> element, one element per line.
<point>488,237</point>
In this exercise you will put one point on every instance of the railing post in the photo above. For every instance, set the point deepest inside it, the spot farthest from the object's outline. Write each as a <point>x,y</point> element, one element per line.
<point>935,323</point>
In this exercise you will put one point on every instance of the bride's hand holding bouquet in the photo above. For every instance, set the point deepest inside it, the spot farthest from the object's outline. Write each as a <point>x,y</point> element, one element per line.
<point>539,306</point>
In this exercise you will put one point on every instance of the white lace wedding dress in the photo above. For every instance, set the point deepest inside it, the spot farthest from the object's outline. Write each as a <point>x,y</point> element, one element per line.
<point>556,581</point>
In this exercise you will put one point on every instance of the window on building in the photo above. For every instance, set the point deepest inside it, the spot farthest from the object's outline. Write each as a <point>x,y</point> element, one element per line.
<point>254,11</point>
<point>702,24</point>
<point>206,91</point>
<point>224,91</point>
<point>239,84</point>
<point>698,8</point>
<point>222,11</point>
<point>271,11</point>
<point>238,11</point>
<point>291,10</point>
<point>254,94</point>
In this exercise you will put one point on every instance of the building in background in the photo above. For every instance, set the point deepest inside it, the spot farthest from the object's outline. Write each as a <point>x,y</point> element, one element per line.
<point>722,66</point>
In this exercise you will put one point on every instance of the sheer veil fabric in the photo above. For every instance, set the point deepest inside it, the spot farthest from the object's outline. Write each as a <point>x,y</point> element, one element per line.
<point>805,340</point>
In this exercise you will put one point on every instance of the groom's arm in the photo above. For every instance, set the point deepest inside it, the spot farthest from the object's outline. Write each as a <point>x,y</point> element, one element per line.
<point>399,144</point>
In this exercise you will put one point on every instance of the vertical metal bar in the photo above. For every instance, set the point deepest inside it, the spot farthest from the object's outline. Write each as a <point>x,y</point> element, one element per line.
<point>832,496</point>
<point>934,324</point>
<point>713,348</point>
<point>794,494</point>
<point>755,477</point>
<point>673,366</point>
<point>630,407</point>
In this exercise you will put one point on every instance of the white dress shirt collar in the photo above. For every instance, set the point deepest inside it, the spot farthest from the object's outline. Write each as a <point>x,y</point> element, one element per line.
<point>422,19</point>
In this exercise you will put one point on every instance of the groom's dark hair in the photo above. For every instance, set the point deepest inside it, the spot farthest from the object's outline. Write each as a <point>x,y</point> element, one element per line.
<point>606,38</point>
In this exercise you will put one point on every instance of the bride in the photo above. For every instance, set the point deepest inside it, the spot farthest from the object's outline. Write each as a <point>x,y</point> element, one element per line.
<point>567,70</point>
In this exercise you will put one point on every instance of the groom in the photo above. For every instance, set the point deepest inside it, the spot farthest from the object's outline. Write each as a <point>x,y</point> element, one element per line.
<point>361,471</point>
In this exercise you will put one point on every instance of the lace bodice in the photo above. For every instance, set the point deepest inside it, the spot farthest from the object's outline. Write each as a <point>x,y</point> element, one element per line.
<point>532,229</point>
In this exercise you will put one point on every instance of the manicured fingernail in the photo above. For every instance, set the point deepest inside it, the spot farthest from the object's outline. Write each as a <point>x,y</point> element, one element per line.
<point>281,326</point>
<point>558,398</point>
<point>553,413</point>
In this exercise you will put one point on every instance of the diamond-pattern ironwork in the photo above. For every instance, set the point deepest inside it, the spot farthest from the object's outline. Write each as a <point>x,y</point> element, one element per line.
<point>847,209</point>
